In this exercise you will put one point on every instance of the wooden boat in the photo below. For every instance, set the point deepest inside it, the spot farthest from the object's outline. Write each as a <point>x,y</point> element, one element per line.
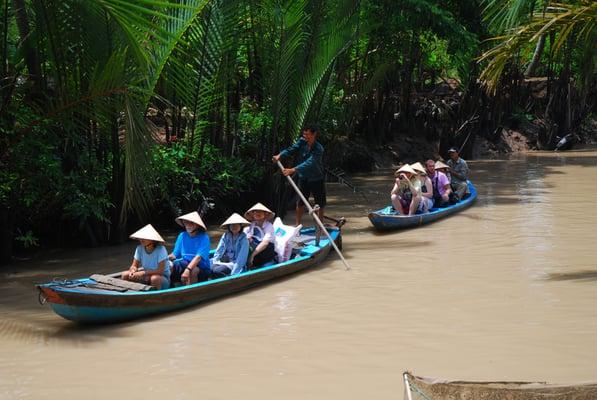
<point>388,219</point>
<point>107,299</point>
<point>425,388</point>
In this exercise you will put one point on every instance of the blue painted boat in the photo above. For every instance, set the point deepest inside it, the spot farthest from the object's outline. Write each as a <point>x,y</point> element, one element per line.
<point>82,301</point>
<point>388,219</point>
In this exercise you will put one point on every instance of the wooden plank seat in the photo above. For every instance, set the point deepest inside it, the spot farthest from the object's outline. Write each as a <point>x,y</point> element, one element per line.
<point>108,281</point>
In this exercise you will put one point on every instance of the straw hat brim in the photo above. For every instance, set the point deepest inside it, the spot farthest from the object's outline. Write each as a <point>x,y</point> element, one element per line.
<point>148,232</point>
<point>406,168</point>
<point>441,165</point>
<point>259,207</point>
<point>191,217</point>
<point>419,168</point>
<point>235,219</point>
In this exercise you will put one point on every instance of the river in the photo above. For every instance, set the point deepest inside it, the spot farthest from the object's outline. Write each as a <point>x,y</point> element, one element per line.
<point>506,290</point>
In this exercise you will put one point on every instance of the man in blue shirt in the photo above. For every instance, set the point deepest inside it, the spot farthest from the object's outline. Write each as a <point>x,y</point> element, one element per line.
<point>309,168</point>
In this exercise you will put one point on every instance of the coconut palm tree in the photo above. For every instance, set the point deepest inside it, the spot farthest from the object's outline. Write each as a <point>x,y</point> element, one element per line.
<point>573,23</point>
<point>81,73</point>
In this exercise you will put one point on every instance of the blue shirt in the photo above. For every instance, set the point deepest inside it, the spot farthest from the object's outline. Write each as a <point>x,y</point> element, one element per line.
<point>187,247</point>
<point>310,160</point>
<point>237,250</point>
<point>151,261</point>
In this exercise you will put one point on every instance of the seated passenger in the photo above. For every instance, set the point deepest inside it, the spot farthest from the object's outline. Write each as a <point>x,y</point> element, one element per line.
<point>458,173</point>
<point>230,257</point>
<point>441,184</point>
<point>261,236</point>
<point>441,167</point>
<point>426,203</point>
<point>150,262</point>
<point>405,194</point>
<point>190,257</point>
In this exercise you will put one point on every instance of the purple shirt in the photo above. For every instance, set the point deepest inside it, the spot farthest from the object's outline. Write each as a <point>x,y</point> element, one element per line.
<point>440,180</point>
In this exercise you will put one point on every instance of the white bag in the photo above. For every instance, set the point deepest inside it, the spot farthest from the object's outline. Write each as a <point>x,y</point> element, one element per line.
<point>284,234</point>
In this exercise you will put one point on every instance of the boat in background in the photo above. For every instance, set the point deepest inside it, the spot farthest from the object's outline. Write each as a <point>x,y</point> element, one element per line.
<point>107,299</point>
<point>426,388</point>
<point>388,219</point>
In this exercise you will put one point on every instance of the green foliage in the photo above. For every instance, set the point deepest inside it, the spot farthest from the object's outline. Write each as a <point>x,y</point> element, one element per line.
<point>84,193</point>
<point>252,121</point>
<point>27,240</point>
<point>184,179</point>
<point>233,81</point>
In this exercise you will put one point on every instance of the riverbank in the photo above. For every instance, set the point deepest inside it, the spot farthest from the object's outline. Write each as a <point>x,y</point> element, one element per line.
<point>520,137</point>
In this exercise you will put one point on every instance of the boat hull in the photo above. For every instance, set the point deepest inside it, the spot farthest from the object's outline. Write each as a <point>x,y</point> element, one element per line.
<point>384,220</point>
<point>80,305</point>
<point>425,388</point>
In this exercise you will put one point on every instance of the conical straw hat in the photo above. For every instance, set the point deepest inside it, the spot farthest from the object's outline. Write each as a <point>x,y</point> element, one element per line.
<point>235,219</point>
<point>406,168</point>
<point>259,207</point>
<point>191,217</point>
<point>440,165</point>
<point>419,168</point>
<point>148,233</point>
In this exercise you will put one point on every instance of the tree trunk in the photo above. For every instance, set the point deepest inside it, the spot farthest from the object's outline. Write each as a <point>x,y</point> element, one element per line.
<point>117,188</point>
<point>536,57</point>
<point>7,220</point>
<point>31,59</point>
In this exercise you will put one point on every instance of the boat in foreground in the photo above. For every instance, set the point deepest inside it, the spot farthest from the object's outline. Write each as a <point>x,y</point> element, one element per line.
<point>426,388</point>
<point>388,219</point>
<point>107,299</point>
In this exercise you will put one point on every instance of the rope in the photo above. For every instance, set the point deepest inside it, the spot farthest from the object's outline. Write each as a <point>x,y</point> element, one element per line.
<point>65,282</point>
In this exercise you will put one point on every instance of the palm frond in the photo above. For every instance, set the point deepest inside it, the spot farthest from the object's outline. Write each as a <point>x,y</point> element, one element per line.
<point>562,19</point>
<point>331,44</point>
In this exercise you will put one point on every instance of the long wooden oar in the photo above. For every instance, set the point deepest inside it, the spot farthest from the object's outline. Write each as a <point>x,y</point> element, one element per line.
<point>314,215</point>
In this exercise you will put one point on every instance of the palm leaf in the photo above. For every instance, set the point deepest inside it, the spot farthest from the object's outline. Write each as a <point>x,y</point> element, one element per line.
<point>562,19</point>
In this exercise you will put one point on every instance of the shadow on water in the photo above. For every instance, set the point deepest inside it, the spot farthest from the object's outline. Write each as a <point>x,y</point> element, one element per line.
<point>51,330</point>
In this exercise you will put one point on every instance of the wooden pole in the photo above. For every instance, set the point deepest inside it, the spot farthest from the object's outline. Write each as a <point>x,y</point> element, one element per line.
<point>314,215</point>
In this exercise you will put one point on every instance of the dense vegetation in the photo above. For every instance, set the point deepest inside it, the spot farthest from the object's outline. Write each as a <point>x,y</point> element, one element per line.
<point>114,111</point>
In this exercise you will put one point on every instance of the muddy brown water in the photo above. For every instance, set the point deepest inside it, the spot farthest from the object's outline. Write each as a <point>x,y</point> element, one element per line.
<point>506,290</point>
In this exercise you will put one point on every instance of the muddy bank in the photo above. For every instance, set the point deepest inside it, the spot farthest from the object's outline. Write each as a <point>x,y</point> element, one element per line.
<point>525,136</point>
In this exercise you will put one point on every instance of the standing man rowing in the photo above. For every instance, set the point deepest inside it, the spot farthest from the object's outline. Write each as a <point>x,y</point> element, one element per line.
<point>310,169</point>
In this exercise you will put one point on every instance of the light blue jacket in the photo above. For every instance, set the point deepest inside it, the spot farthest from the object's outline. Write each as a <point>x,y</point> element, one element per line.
<point>240,244</point>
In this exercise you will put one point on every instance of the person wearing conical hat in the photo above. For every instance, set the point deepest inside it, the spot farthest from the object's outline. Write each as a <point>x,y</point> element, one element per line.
<point>426,187</point>
<point>459,173</point>
<point>190,257</point>
<point>405,195</point>
<point>150,262</point>
<point>230,257</point>
<point>309,168</point>
<point>260,234</point>
<point>441,184</point>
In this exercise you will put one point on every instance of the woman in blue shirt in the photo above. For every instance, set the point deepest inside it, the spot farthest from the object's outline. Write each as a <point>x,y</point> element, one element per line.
<point>230,257</point>
<point>190,257</point>
<point>150,262</point>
